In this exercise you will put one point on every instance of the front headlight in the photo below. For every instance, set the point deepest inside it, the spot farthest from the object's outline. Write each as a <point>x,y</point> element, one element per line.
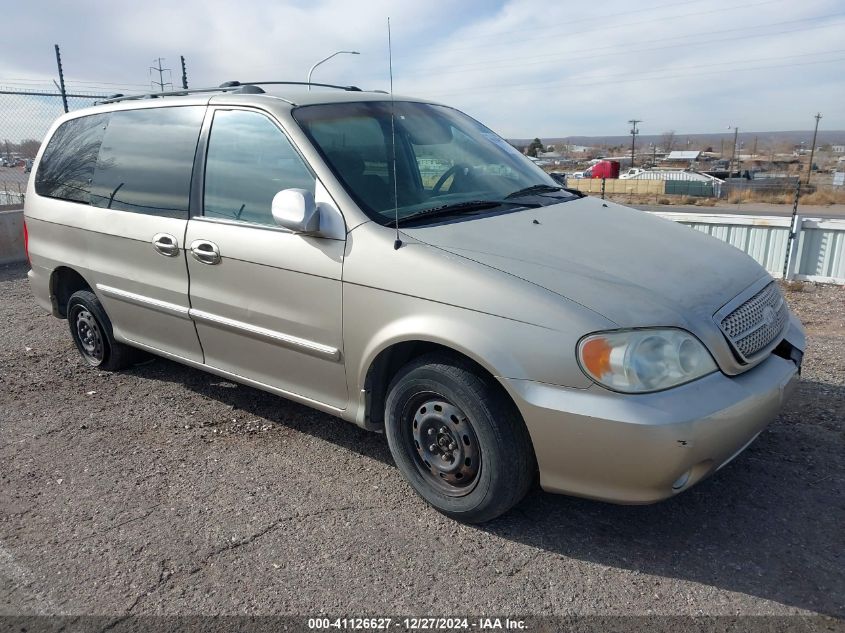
<point>638,361</point>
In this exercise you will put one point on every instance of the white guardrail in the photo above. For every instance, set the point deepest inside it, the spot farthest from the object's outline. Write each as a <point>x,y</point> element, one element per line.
<point>816,254</point>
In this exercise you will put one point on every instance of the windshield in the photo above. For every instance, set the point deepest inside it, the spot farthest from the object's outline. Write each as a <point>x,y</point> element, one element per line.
<point>444,159</point>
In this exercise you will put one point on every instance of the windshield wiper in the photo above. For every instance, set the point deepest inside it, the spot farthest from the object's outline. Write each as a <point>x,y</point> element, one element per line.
<point>527,191</point>
<point>459,207</point>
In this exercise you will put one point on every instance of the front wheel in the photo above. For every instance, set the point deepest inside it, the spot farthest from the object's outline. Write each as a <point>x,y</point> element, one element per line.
<point>457,439</point>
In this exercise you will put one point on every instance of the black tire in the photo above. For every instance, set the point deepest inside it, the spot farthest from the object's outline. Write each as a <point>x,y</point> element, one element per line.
<point>92,332</point>
<point>474,469</point>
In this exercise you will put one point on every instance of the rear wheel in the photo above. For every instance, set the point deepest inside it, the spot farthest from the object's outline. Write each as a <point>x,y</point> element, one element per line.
<point>458,440</point>
<point>92,332</point>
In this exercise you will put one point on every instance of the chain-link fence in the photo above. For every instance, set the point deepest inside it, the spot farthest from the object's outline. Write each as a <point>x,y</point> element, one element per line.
<point>25,118</point>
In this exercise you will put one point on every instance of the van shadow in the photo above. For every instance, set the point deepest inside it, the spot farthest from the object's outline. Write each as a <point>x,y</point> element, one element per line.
<point>769,524</point>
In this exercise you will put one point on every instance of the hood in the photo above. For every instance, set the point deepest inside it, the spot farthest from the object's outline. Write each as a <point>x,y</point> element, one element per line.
<point>632,267</point>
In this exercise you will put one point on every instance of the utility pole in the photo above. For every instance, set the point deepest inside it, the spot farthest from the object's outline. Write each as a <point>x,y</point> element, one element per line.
<point>733,151</point>
<point>61,77</point>
<point>634,132</point>
<point>813,147</point>
<point>161,83</point>
<point>754,151</point>
<point>184,73</point>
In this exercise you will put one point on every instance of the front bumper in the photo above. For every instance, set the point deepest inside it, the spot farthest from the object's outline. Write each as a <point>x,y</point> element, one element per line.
<point>643,448</point>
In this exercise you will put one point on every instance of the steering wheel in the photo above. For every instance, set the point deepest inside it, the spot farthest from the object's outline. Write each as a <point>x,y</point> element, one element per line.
<point>452,171</point>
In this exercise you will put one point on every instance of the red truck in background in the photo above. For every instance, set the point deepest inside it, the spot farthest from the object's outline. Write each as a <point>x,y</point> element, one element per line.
<point>605,169</point>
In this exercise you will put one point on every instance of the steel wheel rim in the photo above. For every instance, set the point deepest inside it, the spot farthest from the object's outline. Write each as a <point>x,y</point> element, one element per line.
<point>90,337</point>
<point>442,444</point>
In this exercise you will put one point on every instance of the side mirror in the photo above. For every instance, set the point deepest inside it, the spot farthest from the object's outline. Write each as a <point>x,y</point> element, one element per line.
<point>295,210</point>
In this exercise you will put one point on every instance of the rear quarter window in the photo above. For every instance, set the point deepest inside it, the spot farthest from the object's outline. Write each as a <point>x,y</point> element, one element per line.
<point>67,165</point>
<point>145,161</point>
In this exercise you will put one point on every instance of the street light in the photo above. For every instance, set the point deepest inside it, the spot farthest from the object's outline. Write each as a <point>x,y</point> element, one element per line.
<point>325,60</point>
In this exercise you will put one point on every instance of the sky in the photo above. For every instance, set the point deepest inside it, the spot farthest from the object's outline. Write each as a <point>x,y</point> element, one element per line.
<point>523,67</point>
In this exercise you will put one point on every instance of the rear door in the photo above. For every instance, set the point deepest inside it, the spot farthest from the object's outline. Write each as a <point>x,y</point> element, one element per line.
<point>266,302</point>
<point>137,222</point>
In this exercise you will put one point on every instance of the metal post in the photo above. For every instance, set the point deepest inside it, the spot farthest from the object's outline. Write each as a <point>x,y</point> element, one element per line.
<point>813,149</point>
<point>793,230</point>
<point>161,83</point>
<point>602,187</point>
<point>61,78</point>
<point>733,153</point>
<point>184,73</point>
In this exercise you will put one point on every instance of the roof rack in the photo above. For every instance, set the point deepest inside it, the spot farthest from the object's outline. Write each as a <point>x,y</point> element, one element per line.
<point>289,83</point>
<point>235,87</point>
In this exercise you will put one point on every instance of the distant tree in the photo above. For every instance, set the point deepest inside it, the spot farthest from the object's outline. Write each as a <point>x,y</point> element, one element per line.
<point>535,146</point>
<point>29,148</point>
<point>667,141</point>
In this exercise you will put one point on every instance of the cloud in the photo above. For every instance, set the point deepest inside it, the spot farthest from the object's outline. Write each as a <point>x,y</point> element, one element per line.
<point>524,67</point>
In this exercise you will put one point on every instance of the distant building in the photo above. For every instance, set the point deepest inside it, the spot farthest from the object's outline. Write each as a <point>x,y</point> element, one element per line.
<point>683,155</point>
<point>681,158</point>
<point>838,149</point>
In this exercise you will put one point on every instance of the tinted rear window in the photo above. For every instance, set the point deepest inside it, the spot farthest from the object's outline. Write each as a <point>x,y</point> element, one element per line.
<point>67,166</point>
<point>146,159</point>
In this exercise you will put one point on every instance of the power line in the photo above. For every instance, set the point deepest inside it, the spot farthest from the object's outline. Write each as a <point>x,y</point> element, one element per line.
<point>631,77</point>
<point>728,63</point>
<point>590,18</point>
<point>644,74</point>
<point>614,48</point>
<point>626,25</point>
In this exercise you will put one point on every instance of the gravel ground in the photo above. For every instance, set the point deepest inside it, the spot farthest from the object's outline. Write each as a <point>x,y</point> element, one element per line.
<point>165,490</point>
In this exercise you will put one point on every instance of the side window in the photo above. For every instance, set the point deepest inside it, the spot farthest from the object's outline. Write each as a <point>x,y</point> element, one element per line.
<point>249,160</point>
<point>146,159</point>
<point>67,165</point>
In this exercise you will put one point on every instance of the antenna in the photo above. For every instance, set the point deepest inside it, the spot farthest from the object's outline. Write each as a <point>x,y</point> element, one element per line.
<point>398,241</point>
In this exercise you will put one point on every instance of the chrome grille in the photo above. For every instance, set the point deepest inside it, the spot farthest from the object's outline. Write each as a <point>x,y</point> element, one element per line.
<point>757,322</point>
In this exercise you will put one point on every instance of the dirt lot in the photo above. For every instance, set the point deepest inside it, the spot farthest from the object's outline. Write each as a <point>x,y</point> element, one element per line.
<point>166,490</point>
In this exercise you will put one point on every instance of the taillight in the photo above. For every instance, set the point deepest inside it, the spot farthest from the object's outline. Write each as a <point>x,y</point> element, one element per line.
<point>26,243</point>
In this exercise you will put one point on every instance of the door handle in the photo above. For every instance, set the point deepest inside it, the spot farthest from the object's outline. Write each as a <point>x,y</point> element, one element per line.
<point>165,244</point>
<point>205,252</point>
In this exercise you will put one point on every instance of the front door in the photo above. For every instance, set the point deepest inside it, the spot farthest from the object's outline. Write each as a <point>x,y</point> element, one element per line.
<point>266,302</point>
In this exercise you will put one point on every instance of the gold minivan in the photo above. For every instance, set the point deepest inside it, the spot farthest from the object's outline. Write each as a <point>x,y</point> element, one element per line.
<point>395,263</point>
